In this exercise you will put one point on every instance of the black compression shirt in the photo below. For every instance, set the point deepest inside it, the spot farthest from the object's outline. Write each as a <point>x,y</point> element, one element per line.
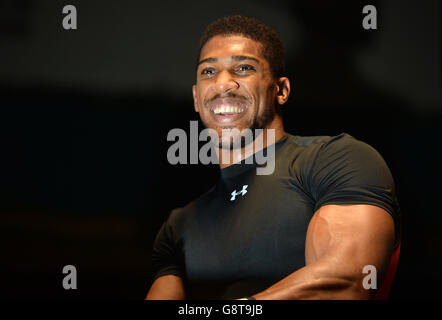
<point>249,230</point>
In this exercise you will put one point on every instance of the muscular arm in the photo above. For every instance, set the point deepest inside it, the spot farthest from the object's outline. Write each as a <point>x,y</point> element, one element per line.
<point>341,240</point>
<point>168,287</point>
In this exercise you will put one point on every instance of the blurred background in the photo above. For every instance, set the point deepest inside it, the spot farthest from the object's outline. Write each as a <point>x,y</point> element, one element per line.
<point>84,116</point>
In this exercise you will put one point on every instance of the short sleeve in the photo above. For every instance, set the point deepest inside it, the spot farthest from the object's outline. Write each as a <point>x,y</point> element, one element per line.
<point>348,171</point>
<point>167,253</point>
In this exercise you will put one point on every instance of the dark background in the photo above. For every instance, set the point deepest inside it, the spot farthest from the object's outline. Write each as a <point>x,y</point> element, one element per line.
<point>84,116</point>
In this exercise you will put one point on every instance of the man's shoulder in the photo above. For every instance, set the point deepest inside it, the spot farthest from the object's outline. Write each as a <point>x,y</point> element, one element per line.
<point>312,146</point>
<point>319,140</point>
<point>340,155</point>
<point>311,152</point>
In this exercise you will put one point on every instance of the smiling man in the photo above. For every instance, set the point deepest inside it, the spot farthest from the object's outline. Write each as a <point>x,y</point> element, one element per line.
<point>237,88</point>
<point>308,230</point>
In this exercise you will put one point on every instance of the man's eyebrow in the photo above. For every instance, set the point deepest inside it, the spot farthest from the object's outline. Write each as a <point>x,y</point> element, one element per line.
<point>241,58</point>
<point>236,58</point>
<point>208,60</point>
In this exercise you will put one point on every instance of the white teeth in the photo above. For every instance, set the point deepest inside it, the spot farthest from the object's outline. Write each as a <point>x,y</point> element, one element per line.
<point>227,109</point>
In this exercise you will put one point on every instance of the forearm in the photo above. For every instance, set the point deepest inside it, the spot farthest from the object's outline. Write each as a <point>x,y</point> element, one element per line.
<point>168,287</point>
<point>316,281</point>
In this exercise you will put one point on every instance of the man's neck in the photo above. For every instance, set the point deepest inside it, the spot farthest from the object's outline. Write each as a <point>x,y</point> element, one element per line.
<point>259,143</point>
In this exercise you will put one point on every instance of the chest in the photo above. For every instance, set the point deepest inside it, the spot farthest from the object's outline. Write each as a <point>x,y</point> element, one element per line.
<point>250,228</point>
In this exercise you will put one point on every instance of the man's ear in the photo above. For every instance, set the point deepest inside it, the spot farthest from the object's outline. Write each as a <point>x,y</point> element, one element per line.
<point>195,100</point>
<point>283,90</point>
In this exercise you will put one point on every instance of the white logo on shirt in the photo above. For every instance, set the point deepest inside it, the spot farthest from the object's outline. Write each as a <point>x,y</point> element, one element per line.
<point>242,192</point>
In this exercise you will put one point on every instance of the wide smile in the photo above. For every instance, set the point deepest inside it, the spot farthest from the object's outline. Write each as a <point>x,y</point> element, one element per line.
<point>227,110</point>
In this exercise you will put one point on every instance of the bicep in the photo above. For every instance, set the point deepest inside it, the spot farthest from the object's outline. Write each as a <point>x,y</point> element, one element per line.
<point>167,287</point>
<point>348,237</point>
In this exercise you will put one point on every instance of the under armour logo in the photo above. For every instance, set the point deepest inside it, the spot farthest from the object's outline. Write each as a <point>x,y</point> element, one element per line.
<point>242,192</point>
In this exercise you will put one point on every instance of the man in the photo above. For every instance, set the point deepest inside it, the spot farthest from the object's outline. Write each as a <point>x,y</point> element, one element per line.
<point>308,230</point>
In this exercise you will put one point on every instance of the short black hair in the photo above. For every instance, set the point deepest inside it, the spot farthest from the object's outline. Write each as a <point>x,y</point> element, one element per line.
<point>272,46</point>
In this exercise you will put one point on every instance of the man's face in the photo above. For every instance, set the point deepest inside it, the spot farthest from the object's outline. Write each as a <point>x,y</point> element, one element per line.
<point>235,87</point>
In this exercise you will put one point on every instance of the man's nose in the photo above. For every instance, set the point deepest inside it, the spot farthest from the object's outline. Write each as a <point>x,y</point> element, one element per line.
<point>225,82</point>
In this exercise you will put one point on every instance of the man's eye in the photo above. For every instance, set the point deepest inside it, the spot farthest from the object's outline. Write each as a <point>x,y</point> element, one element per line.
<point>208,71</point>
<point>245,67</point>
